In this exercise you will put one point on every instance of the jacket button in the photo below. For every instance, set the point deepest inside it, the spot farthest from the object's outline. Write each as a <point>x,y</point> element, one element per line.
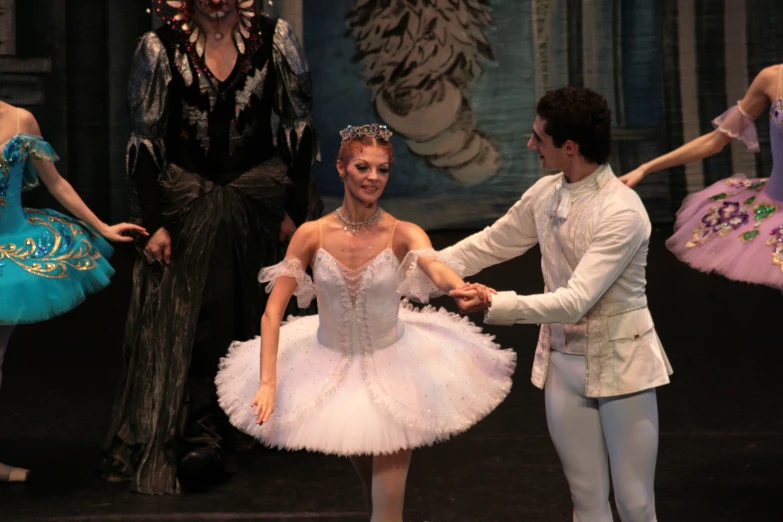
<point>636,336</point>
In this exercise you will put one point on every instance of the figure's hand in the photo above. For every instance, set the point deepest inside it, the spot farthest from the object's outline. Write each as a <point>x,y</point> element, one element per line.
<point>634,177</point>
<point>483,292</point>
<point>287,229</point>
<point>473,297</point>
<point>264,401</point>
<point>468,301</point>
<point>159,247</point>
<point>121,232</point>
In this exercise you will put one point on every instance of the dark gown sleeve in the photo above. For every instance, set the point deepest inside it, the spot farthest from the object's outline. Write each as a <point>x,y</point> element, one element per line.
<point>296,136</point>
<point>147,102</point>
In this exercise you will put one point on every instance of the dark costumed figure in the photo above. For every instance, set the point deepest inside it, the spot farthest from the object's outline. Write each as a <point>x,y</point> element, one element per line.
<point>219,196</point>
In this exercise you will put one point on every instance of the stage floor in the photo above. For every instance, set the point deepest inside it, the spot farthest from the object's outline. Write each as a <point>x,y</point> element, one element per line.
<point>721,418</point>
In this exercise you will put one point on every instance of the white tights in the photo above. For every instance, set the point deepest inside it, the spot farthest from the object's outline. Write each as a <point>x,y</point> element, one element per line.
<point>594,436</point>
<point>383,483</point>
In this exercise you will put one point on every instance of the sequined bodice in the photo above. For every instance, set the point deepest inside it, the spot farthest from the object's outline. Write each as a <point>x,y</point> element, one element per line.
<point>357,309</point>
<point>775,186</point>
<point>11,173</point>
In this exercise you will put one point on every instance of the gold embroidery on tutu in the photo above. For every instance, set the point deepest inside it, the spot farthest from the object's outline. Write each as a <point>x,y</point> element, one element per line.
<point>719,220</point>
<point>729,216</point>
<point>42,258</point>
<point>776,242</point>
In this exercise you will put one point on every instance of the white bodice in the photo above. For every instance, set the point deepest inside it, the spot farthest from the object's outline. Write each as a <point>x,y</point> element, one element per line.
<point>358,310</point>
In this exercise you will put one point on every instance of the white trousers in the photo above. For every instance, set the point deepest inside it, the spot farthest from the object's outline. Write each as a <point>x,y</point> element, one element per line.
<point>602,443</point>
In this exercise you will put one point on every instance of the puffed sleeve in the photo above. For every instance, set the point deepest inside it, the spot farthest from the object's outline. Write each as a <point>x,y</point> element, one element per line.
<point>148,89</point>
<point>296,135</point>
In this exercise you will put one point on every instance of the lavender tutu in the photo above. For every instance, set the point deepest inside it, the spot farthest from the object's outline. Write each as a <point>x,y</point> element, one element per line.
<point>735,226</point>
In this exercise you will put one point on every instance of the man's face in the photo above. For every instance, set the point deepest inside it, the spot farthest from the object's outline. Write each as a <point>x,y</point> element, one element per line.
<point>215,9</point>
<point>553,158</point>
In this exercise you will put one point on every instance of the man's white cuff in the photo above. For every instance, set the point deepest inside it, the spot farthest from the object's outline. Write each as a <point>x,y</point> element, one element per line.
<point>503,311</point>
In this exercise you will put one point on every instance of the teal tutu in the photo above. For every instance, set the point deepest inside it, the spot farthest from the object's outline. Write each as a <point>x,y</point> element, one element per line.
<point>49,266</point>
<point>49,262</point>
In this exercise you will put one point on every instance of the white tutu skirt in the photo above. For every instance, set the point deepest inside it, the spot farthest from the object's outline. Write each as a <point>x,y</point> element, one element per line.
<point>440,378</point>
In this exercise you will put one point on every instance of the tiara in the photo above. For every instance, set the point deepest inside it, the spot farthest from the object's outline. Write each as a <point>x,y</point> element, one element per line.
<point>373,129</point>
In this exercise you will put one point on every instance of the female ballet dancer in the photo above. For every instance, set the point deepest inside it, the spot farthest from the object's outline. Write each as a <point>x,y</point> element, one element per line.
<point>370,377</point>
<point>735,226</point>
<point>49,262</point>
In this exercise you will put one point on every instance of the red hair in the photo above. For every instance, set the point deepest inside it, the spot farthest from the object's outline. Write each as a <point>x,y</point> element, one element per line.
<point>351,146</point>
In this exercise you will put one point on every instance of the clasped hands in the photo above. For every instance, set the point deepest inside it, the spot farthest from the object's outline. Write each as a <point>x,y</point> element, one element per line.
<point>473,297</point>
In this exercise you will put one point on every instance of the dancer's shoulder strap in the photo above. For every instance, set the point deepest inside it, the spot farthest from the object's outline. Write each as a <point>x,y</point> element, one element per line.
<point>391,236</point>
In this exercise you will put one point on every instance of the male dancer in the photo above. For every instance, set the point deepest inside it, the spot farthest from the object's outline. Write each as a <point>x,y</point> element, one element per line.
<point>597,332</point>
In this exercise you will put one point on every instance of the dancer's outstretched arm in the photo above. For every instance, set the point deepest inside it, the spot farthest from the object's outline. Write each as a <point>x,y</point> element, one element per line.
<point>411,237</point>
<point>64,193</point>
<point>756,99</point>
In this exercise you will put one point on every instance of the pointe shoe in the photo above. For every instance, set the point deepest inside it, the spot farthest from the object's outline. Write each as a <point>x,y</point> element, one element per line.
<point>19,475</point>
<point>115,478</point>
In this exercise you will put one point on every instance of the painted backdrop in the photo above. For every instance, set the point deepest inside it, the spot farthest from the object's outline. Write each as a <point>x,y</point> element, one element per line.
<point>458,79</point>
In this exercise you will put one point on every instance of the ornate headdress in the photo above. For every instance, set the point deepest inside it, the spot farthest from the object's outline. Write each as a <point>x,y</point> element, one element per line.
<point>179,13</point>
<point>374,130</point>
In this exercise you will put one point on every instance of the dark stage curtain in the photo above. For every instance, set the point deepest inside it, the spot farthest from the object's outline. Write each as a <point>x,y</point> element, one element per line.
<point>90,44</point>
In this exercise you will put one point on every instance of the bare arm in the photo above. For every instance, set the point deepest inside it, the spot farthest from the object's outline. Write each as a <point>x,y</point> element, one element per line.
<point>270,327</point>
<point>698,149</point>
<point>756,99</point>
<point>64,193</point>
<point>412,237</point>
<point>301,249</point>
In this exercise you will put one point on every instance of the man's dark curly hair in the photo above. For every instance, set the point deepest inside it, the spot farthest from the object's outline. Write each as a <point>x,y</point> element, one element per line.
<point>581,115</point>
